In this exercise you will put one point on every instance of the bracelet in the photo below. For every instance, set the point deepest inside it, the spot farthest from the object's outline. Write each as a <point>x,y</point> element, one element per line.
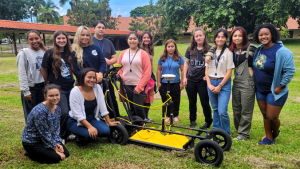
<point>220,85</point>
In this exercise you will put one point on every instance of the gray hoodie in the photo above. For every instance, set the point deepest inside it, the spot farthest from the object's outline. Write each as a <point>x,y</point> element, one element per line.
<point>29,68</point>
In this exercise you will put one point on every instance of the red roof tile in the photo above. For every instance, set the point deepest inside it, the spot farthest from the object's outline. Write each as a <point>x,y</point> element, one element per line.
<point>25,26</point>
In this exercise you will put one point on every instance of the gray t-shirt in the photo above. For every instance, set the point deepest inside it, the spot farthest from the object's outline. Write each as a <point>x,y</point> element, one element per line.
<point>106,46</point>
<point>35,59</point>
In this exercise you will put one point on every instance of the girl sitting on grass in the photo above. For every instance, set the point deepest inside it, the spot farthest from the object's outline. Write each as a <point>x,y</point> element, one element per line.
<point>86,102</point>
<point>40,137</point>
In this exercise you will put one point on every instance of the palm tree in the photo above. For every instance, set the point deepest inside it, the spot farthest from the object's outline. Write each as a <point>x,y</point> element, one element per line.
<point>71,2</point>
<point>48,13</point>
<point>35,6</point>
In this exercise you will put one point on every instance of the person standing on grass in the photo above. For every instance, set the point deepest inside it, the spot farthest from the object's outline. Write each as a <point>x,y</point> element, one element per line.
<point>147,45</point>
<point>243,90</point>
<point>136,73</point>
<point>57,68</point>
<point>85,54</point>
<point>194,77</point>
<point>109,52</point>
<point>40,137</point>
<point>218,77</point>
<point>170,63</point>
<point>86,102</point>
<point>29,61</point>
<point>274,68</point>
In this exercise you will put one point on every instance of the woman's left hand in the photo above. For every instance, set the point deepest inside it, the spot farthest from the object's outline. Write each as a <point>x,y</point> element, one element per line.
<point>278,89</point>
<point>217,89</point>
<point>113,123</point>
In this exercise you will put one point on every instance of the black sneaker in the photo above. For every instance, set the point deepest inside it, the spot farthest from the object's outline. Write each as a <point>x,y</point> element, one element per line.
<point>205,126</point>
<point>193,124</point>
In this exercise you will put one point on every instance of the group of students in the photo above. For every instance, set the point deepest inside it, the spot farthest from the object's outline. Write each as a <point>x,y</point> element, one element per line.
<point>54,108</point>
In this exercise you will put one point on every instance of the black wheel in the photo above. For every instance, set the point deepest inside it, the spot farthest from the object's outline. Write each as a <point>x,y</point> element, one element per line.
<point>208,152</point>
<point>222,138</point>
<point>118,135</point>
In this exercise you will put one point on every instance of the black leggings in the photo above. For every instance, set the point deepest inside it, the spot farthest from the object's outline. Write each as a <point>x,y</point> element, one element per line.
<point>37,152</point>
<point>136,98</point>
<point>174,93</point>
<point>201,88</point>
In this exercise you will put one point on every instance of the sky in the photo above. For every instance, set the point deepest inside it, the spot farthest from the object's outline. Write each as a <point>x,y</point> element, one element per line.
<point>119,7</point>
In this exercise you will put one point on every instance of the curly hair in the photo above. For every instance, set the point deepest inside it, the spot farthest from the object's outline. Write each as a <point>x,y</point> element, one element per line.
<point>274,32</point>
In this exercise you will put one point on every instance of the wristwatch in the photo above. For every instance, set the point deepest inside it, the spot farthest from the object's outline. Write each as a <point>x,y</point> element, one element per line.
<point>282,86</point>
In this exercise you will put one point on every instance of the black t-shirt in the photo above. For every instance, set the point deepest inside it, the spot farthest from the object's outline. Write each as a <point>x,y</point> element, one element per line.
<point>107,47</point>
<point>196,70</point>
<point>64,77</point>
<point>239,59</point>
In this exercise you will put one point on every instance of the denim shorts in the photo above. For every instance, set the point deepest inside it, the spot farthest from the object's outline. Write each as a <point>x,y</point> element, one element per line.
<point>269,98</point>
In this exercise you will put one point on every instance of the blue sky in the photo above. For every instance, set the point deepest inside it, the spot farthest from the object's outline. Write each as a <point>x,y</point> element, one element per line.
<point>119,7</point>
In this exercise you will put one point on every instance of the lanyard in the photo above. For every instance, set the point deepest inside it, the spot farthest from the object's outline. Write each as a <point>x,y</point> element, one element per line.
<point>216,63</point>
<point>170,66</point>
<point>101,48</point>
<point>130,62</point>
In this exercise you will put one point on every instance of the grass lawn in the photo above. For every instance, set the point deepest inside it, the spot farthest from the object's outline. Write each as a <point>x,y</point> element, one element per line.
<point>101,154</point>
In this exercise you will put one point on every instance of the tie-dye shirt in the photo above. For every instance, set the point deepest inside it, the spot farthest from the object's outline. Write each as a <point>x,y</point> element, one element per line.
<point>43,126</point>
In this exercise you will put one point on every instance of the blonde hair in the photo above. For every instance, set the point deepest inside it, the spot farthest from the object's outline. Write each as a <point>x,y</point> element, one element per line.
<point>76,45</point>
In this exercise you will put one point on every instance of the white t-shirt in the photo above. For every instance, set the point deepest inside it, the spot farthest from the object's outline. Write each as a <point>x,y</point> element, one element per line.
<point>219,69</point>
<point>35,59</point>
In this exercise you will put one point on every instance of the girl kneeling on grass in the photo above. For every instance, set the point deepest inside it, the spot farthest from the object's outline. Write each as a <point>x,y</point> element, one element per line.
<point>273,67</point>
<point>169,63</point>
<point>86,101</point>
<point>29,61</point>
<point>40,137</point>
<point>218,76</point>
<point>57,68</point>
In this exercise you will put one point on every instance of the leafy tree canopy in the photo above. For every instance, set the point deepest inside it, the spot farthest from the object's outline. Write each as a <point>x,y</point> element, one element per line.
<point>86,12</point>
<point>13,10</point>
<point>139,11</point>
<point>230,13</point>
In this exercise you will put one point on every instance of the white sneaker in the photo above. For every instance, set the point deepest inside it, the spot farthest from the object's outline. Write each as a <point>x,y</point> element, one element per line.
<point>71,137</point>
<point>167,119</point>
<point>176,120</point>
<point>63,141</point>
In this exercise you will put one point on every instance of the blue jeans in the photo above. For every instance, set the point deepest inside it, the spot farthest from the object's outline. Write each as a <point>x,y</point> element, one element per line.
<point>219,104</point>
<point>82,132</point>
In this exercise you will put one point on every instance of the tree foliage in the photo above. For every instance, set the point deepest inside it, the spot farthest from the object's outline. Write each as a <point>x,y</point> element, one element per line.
<point>34,6</point>
<point>139,11</point>
<point>13,9</point>
<point>231,13</point>
<point>86,12</point>
<point>48,13</point>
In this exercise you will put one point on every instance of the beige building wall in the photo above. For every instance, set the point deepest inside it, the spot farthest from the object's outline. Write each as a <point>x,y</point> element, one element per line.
<point>296,34</point>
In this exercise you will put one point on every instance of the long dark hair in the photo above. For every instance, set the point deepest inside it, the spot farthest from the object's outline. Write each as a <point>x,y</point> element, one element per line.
<point>42,46</point>
<point>82,74</point>
<point>150,46</point>
<point>246,42</point>
<point>193,46</point>
<point>225,45</point>
<point>56,64</point>
<point>176,55</point>
<point>274,32</point>
<point>133,32</point>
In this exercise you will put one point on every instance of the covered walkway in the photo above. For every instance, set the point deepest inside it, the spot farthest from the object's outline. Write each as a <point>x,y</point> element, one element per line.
<point>16,27</point>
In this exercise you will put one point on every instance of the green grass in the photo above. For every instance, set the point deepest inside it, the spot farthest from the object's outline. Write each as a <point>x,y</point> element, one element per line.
<point>101,154</point>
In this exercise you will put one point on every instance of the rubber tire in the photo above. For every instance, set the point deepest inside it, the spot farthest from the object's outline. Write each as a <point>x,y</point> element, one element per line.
<point>211,145</point>
<point>225,135</point>
<point>120,129</point>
